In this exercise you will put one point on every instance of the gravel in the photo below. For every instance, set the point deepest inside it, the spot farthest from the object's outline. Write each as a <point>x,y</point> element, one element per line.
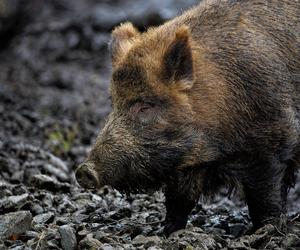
<point>14,223</point>
<point>68,238</point>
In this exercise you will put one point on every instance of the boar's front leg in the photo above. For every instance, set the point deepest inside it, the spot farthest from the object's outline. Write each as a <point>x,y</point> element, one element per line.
<point>178,205</point>
<point>263,186</point>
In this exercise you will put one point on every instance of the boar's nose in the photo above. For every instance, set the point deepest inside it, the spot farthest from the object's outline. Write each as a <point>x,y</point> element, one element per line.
<point>86,176</point>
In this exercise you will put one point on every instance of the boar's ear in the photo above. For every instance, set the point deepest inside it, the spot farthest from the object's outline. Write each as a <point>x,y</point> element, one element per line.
<point>178,60</point>
<point>121,40</point>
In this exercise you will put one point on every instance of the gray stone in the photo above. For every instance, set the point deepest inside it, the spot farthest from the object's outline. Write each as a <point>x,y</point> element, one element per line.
<point>291,240</point>
<point>19,189</point>
<point>237,245</point>
<point>53,244</point>
<point>237,229</point>
<point>146,241</point>
<point>46,182</point>
<point>58,173</point>
<point>17,248</point>
<point>57,162</point>
<point>53,233</point>
<point>261,235</point>
<point>43,218</point>
<point>31,234</point>
<point>107,247</point>
<point>194,236</point>
<point>36,209</point>
<point>154,248</point>
<point>4,189</point>
<point>14,202</point>
<point>18,199</point>
<point>14,223</point>
<point>68,238</point>
<point>17,176</point>
<point>90,243</point>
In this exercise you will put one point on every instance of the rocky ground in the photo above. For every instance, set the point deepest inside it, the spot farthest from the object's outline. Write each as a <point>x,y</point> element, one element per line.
<point>54,75</point>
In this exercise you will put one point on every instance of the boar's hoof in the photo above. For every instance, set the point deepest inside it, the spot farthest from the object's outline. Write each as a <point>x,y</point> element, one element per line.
<point>86,176</point>
<point>170,228</point>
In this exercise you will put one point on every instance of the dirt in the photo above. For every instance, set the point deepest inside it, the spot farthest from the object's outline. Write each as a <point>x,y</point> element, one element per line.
<point>54,77</point>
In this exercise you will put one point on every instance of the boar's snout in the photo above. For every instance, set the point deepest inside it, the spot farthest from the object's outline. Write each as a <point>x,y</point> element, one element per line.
<point>86,176</point>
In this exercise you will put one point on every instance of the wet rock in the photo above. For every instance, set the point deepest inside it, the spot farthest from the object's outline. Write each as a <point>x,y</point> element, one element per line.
<point>146,242</point>
<point>40,228</point>
<point>46,199</point>
<point>5,189</point>
<point>106,246</point>
<point>46,182</point>
<point>79,217</point>
<point>36,209</point>
<point>156,248</point>
<point>57,172</point>
<point>62,220</point>
<point>52,233</point>
<point>237,229</point>
<point>67,206</point>
<point>18,200</point>
<point>16,245</point>
<point>29,172</point>
<point>19,189</point>
<point>14,223</point>
<point>238,245</point>
<point>291,240</point>
<point>13,203</point>
<point>53,244</point>
<point>68,238</point>
<point>57,162</point>
<point>192,237</point>
<point>43,218</point>
<point>82,233</point>
<point>31,234</point>
<point>90,243</point>
<point>261,235</point>
<point>17,177</point>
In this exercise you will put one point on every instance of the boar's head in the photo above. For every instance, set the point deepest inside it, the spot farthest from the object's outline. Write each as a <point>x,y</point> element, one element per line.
<point>151,129</point>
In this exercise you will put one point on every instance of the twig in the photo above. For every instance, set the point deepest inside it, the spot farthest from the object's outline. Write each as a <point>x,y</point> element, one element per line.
<point>41,237</point>
<point>295,218</point>
<point>281,233</point>
<point>271,238</point>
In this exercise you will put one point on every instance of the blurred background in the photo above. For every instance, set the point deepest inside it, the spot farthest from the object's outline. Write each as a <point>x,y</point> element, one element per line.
<point>54,78</point>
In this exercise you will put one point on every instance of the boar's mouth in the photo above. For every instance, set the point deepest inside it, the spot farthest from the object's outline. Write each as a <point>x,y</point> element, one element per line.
<point>148,169</point>
<point>133,171</point>
<point>125,178</point>
<point>133,163</point>
<point>145,171</point>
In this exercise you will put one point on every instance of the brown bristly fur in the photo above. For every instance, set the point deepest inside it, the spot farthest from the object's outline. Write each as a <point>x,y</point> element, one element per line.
<point>210,98</point>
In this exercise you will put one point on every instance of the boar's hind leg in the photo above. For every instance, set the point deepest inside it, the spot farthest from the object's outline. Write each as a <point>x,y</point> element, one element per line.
<point>263,186</point>
<point>289,180</point>
<point>178,207</point>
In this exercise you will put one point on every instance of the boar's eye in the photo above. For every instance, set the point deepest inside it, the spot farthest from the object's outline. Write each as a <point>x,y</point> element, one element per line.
<point>140,107</point>
<point>145,108</point>
<point>143,111</point>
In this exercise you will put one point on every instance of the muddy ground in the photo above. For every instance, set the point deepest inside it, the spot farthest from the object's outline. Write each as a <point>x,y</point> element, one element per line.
<point>54,76</point>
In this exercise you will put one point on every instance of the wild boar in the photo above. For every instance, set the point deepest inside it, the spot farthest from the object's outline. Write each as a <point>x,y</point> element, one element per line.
<point>210,98</point>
